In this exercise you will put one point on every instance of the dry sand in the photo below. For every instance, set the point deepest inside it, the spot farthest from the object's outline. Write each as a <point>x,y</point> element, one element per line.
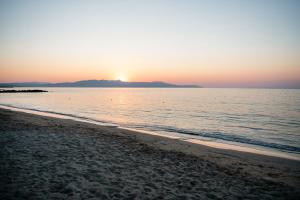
<point>49,158</point>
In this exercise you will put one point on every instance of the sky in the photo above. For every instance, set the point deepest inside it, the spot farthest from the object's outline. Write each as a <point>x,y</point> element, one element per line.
<point>205,42</point>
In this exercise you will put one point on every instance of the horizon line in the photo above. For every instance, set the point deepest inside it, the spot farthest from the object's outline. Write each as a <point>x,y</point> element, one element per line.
<point>273,85</point>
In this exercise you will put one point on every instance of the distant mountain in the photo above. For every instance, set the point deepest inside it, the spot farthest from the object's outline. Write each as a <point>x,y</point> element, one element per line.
<point>101,83</point>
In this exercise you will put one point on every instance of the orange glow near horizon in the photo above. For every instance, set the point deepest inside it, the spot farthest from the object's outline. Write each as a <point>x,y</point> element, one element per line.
<point>173,71</point>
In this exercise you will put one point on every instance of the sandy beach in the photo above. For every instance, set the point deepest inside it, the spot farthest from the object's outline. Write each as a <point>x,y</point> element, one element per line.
<point>50,158</point>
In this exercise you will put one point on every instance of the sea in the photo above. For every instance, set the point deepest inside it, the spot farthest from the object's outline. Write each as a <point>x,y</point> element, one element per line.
<point>266,121</point>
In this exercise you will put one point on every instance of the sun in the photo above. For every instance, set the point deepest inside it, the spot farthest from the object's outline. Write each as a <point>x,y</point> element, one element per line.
<point>122,77</point>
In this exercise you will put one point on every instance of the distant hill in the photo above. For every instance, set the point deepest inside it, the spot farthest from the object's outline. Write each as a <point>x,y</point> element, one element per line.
<point>101,83</point>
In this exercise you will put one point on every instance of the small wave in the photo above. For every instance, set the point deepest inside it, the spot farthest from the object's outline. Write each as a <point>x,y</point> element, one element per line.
<point>225,137</point>
<point>64,114</point>
<point>253,128</point>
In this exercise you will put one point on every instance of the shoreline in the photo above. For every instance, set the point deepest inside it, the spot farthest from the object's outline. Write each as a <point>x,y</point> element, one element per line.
<point>76,158</point>
<point>212,144</point>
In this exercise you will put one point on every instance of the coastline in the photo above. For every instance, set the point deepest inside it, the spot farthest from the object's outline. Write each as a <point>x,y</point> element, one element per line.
<point>217,145</point>
<point>266,177</point>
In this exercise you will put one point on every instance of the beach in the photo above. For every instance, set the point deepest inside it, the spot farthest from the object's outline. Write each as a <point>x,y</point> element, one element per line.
<point>49,158</point>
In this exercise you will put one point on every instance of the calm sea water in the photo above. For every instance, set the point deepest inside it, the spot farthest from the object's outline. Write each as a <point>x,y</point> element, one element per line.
<point>262,118</point>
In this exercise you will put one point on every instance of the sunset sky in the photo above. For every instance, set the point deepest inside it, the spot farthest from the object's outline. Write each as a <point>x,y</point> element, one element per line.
<point>212,42</point>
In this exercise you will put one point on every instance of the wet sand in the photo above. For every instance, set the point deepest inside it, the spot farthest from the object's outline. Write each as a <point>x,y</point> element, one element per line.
<point>49,158</point>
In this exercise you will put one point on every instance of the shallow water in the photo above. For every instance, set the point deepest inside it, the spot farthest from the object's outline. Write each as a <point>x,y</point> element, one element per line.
<point>260,118</point>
